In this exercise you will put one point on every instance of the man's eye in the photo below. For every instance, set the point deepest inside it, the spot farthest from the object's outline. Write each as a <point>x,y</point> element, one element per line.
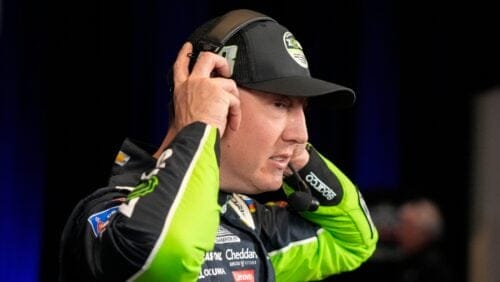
<point>281,104</point>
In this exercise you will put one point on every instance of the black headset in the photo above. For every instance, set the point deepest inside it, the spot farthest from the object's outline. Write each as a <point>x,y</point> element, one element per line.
<point>228,25</point>
<point>213,41</point>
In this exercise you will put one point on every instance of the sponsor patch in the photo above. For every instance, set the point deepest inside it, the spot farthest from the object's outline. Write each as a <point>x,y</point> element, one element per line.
<point>208,272</point>
<point>321,187</point>
<point>280,204</point>
<point>242,254</point>
<point>144,188</point>
<point>245,275</point>
<point>241,209</point>
<point>99,221</point>
<point>249,202</point>
<point>121,158</point>
<point>225,236</point>
<point>294,49</point>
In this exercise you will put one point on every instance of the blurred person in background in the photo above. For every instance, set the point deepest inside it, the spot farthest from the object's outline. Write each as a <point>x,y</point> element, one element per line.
<point>409,246</point>
<point>418,235</point>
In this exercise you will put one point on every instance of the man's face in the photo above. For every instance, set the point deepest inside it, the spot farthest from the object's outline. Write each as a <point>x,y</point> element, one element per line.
<point>254,158</point>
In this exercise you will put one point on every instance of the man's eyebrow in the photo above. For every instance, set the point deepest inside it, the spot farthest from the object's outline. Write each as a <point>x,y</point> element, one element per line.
<point>303,100</point>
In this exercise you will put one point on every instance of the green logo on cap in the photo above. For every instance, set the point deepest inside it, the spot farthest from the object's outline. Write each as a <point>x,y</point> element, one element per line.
<point>295,49</point>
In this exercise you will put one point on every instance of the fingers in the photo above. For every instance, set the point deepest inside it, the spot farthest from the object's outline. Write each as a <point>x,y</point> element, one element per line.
<point>181,65</point>
<point>208,62</point>
<point>201,96</point>
<point>230,94</point>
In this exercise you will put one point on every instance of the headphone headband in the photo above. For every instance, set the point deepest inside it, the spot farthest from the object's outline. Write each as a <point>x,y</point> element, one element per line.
<point>229,24</point>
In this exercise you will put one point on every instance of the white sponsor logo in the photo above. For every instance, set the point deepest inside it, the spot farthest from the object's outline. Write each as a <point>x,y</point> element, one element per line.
<point>128,208</point>
<point>321,187</point>
<point>207,272</point>
<point>225,236</point>
<point>242,254</point>
<point>160,163</point>
<point>227,239</point>
<point>211,256</point>
<point>242,263</point>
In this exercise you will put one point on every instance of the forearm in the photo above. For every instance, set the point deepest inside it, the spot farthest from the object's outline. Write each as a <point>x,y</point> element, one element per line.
<point>348,237</point>
<point>169,218</point>
<point>341,203</point>
<point>189,180</point>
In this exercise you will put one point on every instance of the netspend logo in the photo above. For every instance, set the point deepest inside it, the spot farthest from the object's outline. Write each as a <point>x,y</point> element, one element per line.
<point>319,186</point>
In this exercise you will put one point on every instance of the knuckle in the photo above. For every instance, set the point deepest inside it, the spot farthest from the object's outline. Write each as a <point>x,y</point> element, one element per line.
<point>233,84</point>
<point>205,55</point>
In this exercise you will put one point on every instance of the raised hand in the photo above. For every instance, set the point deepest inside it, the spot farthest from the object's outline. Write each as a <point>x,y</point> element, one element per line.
<point>206,94</point>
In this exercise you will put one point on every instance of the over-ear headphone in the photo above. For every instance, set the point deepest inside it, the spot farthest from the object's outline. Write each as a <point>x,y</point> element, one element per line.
<point>229,24</point>
<point>216,37</point>
<point>302,200</point>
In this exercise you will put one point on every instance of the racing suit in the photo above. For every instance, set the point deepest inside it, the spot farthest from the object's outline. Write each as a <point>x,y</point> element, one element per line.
<point>166,220</point>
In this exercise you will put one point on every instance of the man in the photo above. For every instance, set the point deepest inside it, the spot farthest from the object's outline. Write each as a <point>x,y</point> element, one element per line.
<point>239,129</point>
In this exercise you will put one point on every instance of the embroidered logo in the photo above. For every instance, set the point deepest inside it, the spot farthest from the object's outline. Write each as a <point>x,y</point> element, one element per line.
<point>294,49</point>
<point>319,186</point>
<point>100,221</point>
<point>225,236</point>
<point>122,158</point>
<point>144,188</point>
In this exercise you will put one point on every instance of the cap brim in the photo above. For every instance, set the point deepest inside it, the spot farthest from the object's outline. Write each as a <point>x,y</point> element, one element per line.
<point>337,96</point>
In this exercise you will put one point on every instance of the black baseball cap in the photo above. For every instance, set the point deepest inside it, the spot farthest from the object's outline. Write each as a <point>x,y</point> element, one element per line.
<point>265,56</point>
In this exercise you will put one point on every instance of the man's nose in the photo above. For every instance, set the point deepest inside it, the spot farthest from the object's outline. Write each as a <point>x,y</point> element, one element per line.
<point>296,129</point>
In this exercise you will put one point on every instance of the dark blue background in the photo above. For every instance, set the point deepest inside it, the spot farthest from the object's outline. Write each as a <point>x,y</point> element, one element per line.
<point>78,77</point>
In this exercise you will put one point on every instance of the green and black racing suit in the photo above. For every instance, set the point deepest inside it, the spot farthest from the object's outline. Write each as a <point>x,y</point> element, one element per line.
<point>166,220</point>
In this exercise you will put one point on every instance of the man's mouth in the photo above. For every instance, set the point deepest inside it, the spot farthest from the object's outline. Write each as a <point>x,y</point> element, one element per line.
<point>281,161</point>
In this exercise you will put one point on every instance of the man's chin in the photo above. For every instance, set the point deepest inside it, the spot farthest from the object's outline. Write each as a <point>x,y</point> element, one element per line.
<point>271,187</point>
<point>264,190</point>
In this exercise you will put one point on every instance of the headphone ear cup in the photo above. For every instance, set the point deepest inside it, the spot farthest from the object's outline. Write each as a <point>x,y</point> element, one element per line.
<point>300,200</point>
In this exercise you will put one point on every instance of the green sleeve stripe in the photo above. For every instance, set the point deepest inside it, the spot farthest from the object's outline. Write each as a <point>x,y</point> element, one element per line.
<point>191,224</point>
